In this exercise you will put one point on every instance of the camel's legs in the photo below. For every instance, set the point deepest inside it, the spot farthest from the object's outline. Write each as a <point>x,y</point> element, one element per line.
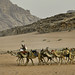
<point>40,60</point>
<point>22,61</point>
<point>32,61</point>
<point>56,59</point>
<point>27,60</point>
<point>18,61</point>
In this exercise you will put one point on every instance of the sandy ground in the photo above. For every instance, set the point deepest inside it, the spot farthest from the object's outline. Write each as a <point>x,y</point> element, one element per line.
<point>8,65</point>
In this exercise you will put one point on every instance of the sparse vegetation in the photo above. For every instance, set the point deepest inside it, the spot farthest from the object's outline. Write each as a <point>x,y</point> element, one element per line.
<point>59,39</point>
<point>44,39</point>
<point>48,41</point>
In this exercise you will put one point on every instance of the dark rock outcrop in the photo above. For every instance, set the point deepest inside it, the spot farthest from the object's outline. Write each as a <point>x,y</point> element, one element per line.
<point>60,22</point>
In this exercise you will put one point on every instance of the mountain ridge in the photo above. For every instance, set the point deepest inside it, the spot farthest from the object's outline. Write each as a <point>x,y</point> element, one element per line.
<point>12,15</point>
<point>56,23</point>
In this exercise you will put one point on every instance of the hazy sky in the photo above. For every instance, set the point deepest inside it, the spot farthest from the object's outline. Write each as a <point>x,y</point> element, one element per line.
<point>46,8</point>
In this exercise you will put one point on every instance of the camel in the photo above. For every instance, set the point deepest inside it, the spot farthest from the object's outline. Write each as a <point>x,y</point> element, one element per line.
<point>33,54</point>
<point>58,54</point>
<point>67,54</point>
<point>54,54</point>
<point>62,55</point>
<point>30,55</point>
<point>47,53</point>
<point>71,55</point>
<point>20,58</point>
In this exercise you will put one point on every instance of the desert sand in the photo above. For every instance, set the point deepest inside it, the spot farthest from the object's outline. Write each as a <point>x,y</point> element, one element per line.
<point>55,40</point>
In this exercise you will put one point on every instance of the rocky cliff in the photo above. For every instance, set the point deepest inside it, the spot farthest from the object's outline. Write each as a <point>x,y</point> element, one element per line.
<point>60,22</point>
<point>57,23</point>
<point>12,15</point>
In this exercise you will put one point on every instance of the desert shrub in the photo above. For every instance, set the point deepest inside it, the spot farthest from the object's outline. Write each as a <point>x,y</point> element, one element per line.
<point>59,39</point>
<point>44,39</point>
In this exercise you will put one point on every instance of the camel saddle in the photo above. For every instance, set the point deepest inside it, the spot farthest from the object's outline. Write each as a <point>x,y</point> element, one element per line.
<point>24,52</point>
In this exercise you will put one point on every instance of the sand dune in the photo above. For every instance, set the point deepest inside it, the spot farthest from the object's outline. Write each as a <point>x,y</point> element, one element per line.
<point>8,65</point>
<point>38,41</point>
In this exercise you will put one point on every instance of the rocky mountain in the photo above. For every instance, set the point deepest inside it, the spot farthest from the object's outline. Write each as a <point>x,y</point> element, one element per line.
<point>71,11</point>
<point>57,23</point>
<point>12,15</point>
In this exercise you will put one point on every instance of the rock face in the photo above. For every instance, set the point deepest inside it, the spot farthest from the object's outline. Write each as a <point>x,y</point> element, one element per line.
<point>71,11</point>
<point>11,15</point>
<point>57,23</point>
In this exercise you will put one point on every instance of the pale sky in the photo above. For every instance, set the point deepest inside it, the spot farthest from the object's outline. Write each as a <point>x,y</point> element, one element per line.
<point>46,8</point>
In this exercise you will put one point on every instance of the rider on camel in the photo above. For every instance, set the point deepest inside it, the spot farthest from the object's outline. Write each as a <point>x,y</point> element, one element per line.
<point>23,47</point>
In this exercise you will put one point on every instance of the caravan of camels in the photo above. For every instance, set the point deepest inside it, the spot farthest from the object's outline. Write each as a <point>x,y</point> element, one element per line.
<point>45,56</point>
